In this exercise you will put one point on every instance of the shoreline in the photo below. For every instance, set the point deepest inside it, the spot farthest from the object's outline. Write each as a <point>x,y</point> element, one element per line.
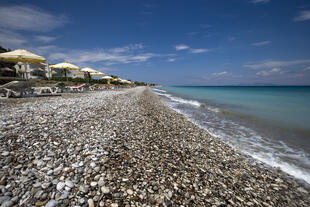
<point>116,148</point>
<point>194,110</point>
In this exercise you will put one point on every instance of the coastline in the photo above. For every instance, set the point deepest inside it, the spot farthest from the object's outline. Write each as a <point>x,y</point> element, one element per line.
<point>126,147</point>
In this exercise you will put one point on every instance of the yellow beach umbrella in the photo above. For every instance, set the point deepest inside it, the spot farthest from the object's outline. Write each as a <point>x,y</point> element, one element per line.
<point>23,56</point>
<point>89,70</point>
<point>66,66</point>
<point>107,77</point>
<point>125,81</point>
<point>97,74</point>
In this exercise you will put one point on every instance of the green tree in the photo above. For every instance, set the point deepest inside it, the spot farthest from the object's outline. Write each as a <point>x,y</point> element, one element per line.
<point>2,49</point>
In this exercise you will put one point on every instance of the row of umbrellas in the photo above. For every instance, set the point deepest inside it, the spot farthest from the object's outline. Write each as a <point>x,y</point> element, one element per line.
<point>25,56</point>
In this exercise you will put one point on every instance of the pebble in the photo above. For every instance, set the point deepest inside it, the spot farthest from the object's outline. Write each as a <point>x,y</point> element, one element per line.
<point>92,165</point>
<point>93,184</point>
<point>51,203</point>
<point>7,204</point>
<point>5,153</point>
<point>91,203</point>
<point>60,186</point>
<point>105,190</point>
<point>101,183</point>
<point>129,191</point>
<point>4,198</point>
<point>45,185</point>
<point>69,183</point>
<point>40,203</point>
<point>126,148</point>
<point>83,189</point>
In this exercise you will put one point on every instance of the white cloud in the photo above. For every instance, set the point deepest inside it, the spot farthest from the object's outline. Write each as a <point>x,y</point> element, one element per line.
<point>272,64</point>
<point>107,69</point>
<point>11,39</point>
<point>128,48</point>
<point>191,50</point>
<point>44,50</point>
<point>44,39</point>
<point>303,16</point>
<point>181,47</point>
<point>259,1</point>
<point>171,59</point>
<point>199,50</point>
<point>29,18</point>
<point>220,73</point>
<point>258,44</point>
<point>307,68</point>
<point>269,72</point>
<point>121,55</point>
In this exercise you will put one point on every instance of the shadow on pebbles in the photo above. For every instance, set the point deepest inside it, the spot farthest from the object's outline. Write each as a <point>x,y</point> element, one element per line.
<point>125,148</point>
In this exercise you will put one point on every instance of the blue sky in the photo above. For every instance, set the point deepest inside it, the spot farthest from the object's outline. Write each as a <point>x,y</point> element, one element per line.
<point>181,42</point>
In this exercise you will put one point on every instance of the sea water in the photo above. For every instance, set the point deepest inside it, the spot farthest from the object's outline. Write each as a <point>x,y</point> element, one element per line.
<point>271,124</point>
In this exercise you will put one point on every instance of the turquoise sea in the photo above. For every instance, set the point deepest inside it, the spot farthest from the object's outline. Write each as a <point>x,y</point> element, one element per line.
<point>271,124</point>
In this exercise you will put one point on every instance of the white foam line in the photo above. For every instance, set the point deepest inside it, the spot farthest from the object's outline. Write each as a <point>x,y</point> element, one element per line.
<point>270,158</point>
<point>156,89</point>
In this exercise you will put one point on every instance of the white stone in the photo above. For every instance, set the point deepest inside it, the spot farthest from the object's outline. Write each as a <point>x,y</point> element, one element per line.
<point>51,203</point>
<point>60,186</point>
<point>130,192</point>
<point>91,203</point>
<point>93,184</point>
<point>6,153</point>
<point>105,189</point>
<point>69,183</point>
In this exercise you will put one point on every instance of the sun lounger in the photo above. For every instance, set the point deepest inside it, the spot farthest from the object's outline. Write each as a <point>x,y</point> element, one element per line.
<point>44,90</point>
<point>14,89</point>
<point>79,88</point>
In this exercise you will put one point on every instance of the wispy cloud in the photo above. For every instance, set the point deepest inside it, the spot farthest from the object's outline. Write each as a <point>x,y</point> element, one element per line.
<point>303,16</point>
<point>29,18</point>
<point>259,1</point>
<point>127,48</point>
<point>122,55</point>
<point>181,47</point>
<point>307,68</point>
<point>220,73</point>
<point>258,44</point>
<point>269,72</point>
<point>171,60</point>
<point>11,39</point>
<point>199,50</point>
<point>191,50</point>
<point>101,56</point>
<point>45,39</point>
<point>272,64</point>
<point>45,50</point>
<point>107,69</point>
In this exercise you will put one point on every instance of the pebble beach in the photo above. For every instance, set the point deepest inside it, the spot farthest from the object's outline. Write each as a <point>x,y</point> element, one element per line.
<point>125,148</point>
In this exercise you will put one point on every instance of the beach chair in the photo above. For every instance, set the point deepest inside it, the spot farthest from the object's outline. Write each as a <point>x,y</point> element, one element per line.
<point>44,90</point>
<point>79,88</point>
<point>60,88</point>
<point>15,89</point>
